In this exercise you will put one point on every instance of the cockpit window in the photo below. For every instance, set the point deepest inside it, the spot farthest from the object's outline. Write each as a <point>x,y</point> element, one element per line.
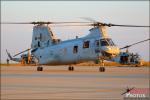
<point>110,42</point>
<point>106,42</point>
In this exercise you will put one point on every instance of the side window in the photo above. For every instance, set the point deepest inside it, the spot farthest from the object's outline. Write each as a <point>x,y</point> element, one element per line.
<point>86,44</point>
<point>75,49</point>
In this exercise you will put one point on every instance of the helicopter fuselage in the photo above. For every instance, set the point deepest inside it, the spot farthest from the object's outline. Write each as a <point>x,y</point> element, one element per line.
<point>48,50</point>
<point>73,51</point>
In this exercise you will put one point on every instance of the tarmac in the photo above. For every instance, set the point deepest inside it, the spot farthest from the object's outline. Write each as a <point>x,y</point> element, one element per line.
<point>56,82</point>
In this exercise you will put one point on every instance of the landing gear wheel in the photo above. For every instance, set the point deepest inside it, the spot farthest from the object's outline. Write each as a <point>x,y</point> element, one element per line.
<point>102,69</point>
<point>39,68</point>
<point>70,68</point>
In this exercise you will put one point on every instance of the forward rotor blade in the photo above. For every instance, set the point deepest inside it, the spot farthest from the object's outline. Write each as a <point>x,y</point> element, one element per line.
<point>89,19</point>
<point>126,25</point>
<point>97,23</point>
<point>21,52</point>
<point>134,44</point>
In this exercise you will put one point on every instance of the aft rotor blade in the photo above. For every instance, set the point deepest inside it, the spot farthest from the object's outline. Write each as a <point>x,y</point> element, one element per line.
<point>43,22</point>
<point>134,44</point>
<point>72,25</point>
<point>21,52</point>
<point>69,22</point>
<point>16,23</point>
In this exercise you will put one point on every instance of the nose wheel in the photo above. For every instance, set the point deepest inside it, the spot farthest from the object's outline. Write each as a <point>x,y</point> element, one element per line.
<point>39,68</point>
<point>101,61</point>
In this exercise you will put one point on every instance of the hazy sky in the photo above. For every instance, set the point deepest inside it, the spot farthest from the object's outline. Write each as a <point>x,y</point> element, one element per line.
<point>16,38</point>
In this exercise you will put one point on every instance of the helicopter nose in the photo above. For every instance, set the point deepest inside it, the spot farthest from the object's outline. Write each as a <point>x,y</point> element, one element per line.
<point>113,50</point>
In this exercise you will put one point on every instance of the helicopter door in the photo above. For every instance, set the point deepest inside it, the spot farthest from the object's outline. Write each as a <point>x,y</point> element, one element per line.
<point>75,54</point>
<point>75,49</point>
<point>87,49</point>
<point>97,46</point>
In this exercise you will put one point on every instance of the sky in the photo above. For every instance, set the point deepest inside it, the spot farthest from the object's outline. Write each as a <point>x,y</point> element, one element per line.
<point>16,38</point>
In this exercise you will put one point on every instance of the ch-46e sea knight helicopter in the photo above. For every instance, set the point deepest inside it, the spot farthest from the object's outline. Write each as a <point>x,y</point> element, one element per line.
<point>47,49</point>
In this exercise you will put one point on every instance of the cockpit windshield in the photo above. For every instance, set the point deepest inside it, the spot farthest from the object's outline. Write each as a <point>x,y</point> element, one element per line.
<point>110,42</point>
<point>106,42</point>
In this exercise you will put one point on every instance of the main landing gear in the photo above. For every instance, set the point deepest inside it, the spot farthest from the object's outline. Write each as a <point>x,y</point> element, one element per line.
<point>39,68</point>
<point>71,68</point>
<point>102,69</point>
<point>101,61</point>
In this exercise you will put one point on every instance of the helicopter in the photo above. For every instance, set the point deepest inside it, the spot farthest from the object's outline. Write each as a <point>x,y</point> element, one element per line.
<point>131,58</point>
<point>47,49</point>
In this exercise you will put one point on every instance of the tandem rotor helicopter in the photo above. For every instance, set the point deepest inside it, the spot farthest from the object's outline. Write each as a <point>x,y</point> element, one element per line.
<point>47,49</point>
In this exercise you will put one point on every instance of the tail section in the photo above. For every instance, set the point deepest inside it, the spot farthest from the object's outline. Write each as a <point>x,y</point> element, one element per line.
<point>13,59</point>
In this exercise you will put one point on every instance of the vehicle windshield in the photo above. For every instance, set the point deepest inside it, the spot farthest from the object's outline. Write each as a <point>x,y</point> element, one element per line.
<point>110,42</point>
<point>106,42</point>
